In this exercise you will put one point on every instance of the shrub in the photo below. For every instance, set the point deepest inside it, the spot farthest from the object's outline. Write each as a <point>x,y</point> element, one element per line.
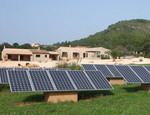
<point>72,66</point>
<point>27,64</point>
<point>19,64</point>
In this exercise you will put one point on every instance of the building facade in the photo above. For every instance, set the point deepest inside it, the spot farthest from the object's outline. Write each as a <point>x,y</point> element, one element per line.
<point>12,54</point>
<point>68,53</point>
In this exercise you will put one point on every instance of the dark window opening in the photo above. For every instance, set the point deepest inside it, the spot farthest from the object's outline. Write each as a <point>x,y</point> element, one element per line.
<point>9,56</point>
<point>37,55</point>
<point>64,54</point>
<point>75,55</point>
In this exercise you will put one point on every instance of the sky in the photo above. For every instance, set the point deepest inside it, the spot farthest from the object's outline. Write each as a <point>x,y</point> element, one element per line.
<point>51,21</point>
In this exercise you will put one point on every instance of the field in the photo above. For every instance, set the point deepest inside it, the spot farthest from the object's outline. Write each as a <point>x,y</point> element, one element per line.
<point>123,100</point>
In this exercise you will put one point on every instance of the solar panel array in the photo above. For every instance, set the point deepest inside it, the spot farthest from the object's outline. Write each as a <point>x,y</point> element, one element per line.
<point>3,74</point>
<point>108,71</point>
<point>45,80</point>
<point>131,74</point>
<point>128,74</point>
<point>88,67</point>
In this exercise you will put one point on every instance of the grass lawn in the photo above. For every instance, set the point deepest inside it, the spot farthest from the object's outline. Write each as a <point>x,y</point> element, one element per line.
<point>123,100</point>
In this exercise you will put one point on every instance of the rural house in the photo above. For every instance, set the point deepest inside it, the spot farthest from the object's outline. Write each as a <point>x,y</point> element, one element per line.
<point>12,54</point>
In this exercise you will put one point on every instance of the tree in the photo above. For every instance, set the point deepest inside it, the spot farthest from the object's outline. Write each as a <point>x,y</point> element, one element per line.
<point>15,45</point>
<point>113,54</point>
<point>26,46</point>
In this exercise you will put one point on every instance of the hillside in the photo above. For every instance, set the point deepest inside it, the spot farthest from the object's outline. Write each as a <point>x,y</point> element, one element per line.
<point>131,35</point>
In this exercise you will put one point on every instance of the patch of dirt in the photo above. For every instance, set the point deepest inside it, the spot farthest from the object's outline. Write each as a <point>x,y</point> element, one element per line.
<point>25,104</point>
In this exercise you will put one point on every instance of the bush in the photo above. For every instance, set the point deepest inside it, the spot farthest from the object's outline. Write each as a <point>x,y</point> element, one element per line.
<point>27,64</point>
<point>72,66</point>
<point>19,64</point>
<point>105,57</point>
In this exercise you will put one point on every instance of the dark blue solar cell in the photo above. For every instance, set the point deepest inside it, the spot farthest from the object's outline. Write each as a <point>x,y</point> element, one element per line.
<point>36,69</point>
<point>19,81</point>
<point>88,67</point>
<point>21,69</point>
<point>114,71</point>
<point>41,81</point>
<point>142,73</point>
<point>104,70</point>
<point>128,74</point>
<point>80,80</point>
<point>61,80</point>
<point>3,75</point>
<point>99,80</point>
<point>50,69</point>
<point>148,68</point>
<point>63,69</point>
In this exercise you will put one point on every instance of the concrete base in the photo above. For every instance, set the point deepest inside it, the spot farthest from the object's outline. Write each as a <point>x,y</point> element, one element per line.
<point>55,97</point>
<point>116,81</point>
<point>145,87</point>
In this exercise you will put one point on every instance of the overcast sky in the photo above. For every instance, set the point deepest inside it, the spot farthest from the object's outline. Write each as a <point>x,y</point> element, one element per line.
<point>51,21</point>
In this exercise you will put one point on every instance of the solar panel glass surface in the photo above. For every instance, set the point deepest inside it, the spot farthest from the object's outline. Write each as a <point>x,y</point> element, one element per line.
<point>114,71</point>
<point>3,75</point>
<point>105,71</point>
<point>88,67</point>
<point>148,68</point>
<point>61,80</point>
<point>99,80</point>
<point>142,73</point>
<point>41,81</point>
<point>128,74</point>
<point>80,80</point>
<point>19,81</point>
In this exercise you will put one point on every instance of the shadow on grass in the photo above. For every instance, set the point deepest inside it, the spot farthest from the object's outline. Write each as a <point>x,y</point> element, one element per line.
<point>4,87</point>
<point>34,98</point>
<point>93,94</point>
<point>132,89</point>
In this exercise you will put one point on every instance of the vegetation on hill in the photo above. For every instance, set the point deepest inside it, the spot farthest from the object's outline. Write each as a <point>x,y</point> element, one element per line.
<point>124,36</point>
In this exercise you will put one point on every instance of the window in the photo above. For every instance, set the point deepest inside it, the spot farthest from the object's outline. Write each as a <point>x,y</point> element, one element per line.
<point>45,56</point>
<point>37,55</point>
<point>64,54</point>
<point>75,55</point>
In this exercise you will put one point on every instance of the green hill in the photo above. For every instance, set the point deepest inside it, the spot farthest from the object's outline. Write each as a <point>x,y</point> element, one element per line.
<point>128,36</point>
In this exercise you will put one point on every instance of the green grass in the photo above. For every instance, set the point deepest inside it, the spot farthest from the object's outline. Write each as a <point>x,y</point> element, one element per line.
<point>123,100</point>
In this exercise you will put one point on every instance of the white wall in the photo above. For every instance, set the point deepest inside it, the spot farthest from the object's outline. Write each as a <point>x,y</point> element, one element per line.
<point>42,57</point>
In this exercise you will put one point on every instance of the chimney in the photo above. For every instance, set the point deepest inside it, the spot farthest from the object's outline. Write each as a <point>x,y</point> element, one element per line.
<point>69,46</point>
<point>4,47</point>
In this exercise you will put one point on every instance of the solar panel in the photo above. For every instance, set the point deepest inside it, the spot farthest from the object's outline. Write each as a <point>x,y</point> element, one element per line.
<point>3,75</point>
<point>99,80</point>
<point>129,75</point>
<point>19,81</point>
<point>41,81</point>
<point>35,69</point>
<point>50,69</point>
<point>114,71</point>
<point>142,73</point>
<point>147,67</point>
<point>80,80</point>
<point>21,69</point>
<point>63,69</point>
<point>88,67</point>
<point>105,71</point>
<point>61,80</point>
